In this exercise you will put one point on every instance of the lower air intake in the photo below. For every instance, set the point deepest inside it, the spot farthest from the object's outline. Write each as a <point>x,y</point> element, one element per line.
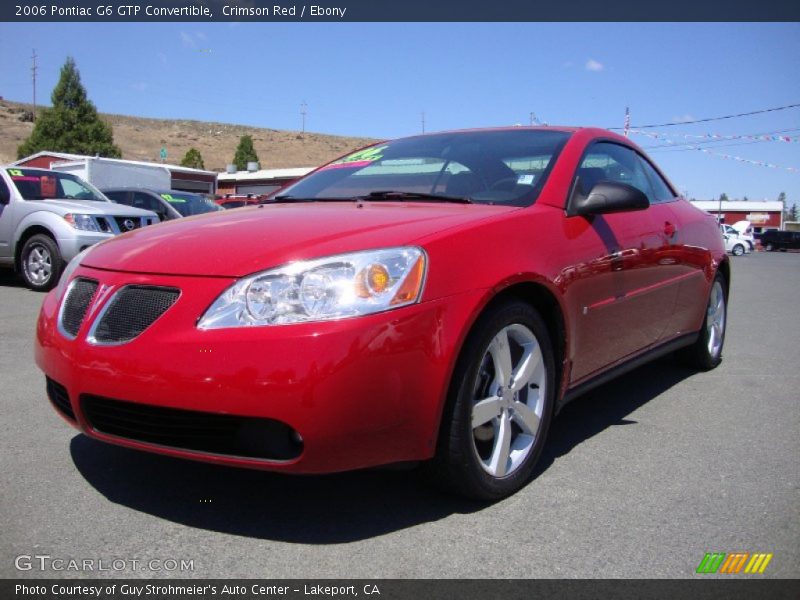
<point>213,433</point>
<point>60,398</point>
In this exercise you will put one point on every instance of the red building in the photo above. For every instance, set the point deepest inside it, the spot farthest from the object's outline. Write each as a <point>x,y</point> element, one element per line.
<point>258,182</point>
<point>763,214</point>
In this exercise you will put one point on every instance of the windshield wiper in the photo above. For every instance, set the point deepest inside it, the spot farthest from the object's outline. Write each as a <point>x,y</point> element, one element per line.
<point>285,198</point>
<point>398,195</point>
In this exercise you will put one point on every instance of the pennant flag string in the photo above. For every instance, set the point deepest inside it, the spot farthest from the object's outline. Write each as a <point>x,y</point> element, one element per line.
<point>760,163</point>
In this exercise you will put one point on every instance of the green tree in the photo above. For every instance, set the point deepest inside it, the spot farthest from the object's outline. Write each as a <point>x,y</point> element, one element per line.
<point>790,212</point>
<point>245,153</point>
<point>782,197</point>
<point>72,124</point>
<point>193,159</point>
<point>723,197</point>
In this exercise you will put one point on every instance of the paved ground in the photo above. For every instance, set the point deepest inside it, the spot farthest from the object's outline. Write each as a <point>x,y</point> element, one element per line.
<point>641,478</point>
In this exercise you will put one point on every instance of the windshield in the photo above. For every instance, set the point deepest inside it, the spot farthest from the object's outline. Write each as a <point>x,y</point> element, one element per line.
<point>488,167</point>
<point>34,184</point>
<point>189,204</point>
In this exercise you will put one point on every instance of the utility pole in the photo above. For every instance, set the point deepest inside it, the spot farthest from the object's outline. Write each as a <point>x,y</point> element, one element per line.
<point>423,121</point>
<point>303,110</point>
<point>33,73</point>
<point>627,127</point>
<point>532,118</point>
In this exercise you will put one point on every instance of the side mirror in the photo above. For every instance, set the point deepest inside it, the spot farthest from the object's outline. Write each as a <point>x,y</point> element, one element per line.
<point>610,197</point>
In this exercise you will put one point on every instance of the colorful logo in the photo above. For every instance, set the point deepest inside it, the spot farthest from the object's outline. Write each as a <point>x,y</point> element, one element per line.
<point>720,562</point>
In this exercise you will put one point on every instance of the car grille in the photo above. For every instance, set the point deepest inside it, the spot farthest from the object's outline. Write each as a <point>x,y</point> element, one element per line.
<point>80,294</point>
<point>128,223</point>
<point>60,398</point>
<point>132,310</point>
<point>193,430</point>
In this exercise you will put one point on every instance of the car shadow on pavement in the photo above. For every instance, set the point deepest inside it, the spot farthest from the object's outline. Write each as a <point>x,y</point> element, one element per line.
<point>609,405</point>
<point>10,279</point>
<point>336,508</point>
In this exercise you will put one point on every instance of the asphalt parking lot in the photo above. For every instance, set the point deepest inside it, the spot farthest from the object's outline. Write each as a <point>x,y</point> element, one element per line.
<point>641,478</point>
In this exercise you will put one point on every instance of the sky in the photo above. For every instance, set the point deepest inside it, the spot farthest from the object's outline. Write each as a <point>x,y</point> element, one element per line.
<point>377,80</point>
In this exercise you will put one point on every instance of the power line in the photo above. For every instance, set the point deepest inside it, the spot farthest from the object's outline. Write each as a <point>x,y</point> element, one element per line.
<point>747,114</point>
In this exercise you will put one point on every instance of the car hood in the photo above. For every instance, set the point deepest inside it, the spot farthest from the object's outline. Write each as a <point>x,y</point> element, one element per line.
<point>247,240</point>
<point>90,207</point>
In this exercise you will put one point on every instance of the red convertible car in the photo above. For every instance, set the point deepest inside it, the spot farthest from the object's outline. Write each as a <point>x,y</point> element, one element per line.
<point>436,298</point>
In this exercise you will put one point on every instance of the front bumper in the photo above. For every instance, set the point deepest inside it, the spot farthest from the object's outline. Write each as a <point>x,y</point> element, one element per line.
<point>70,246</point>
<point>361,392</point>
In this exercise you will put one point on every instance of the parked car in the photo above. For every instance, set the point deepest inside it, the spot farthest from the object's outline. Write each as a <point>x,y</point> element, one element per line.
<point>774,239</point>
<point>167,204</point>
<point>743,233</point>
<point>735,245</point>
<point>239,200</point>
<point>47,217</point>
<point>435,298</point>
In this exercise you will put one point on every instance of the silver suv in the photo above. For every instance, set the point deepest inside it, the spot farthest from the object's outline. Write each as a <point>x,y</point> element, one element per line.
<point>48,217</point>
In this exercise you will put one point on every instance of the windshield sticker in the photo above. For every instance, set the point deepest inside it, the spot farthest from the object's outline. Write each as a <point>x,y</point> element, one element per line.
<point>18,175</point>
<point>171,198</point>
<point>525,179</point>
<point>48,187</point>
<point>359,159</point>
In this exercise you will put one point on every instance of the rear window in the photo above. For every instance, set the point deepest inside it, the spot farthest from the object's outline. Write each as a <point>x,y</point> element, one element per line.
<point>188,204</point>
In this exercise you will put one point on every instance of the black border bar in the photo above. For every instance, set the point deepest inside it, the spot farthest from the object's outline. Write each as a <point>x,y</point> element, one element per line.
<point>700,588</point>
<point>398,11</point>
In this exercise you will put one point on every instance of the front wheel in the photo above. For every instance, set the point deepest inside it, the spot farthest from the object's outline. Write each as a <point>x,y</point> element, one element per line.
<point>706,352</point>
<point>499,406</point>
<point>41,263</point>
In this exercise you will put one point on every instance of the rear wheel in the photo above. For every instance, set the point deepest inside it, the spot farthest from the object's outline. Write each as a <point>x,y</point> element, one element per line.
<point>738,250</point>
<point>41,262</point>
<point>706,352</point>
<point>769,247</point>
<point>500,405</point>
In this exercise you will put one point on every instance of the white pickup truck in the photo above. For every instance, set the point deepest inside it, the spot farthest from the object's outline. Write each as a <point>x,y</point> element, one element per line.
<point>47,217</point>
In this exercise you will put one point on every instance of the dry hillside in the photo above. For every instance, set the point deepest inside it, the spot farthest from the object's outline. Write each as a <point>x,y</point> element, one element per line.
<point>141,139</point>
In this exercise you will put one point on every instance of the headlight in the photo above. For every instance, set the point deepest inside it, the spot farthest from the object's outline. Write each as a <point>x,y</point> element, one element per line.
<point>335,287</point>
<point>82,222</point>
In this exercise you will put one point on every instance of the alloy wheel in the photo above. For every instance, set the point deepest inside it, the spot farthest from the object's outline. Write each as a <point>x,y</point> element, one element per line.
<point>39,265</point>
<point>508,400</point>
<point>715,319</point>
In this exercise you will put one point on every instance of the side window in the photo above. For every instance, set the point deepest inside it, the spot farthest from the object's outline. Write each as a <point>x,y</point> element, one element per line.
<point>121,197</point>
<point>146,202</point>
<point>661,190</point>
<point>606,161</point>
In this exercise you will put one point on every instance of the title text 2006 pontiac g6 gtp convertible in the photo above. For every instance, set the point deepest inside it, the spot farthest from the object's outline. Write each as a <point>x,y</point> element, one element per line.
<point>435,298</point>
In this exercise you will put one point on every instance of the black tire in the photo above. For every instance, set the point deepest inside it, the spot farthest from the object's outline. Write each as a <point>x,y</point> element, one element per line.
<point>41,263</point>
<point>460,462</point>
<point>705,353</point>
<point>769,247</point>
<point>737,250</point>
